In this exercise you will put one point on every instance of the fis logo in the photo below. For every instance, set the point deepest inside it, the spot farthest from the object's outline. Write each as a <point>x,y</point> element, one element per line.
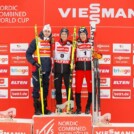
<point>47,129</point>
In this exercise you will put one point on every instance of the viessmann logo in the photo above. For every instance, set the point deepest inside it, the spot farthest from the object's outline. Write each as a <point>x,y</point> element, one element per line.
<point>116,131</point>
<point>94,13</point>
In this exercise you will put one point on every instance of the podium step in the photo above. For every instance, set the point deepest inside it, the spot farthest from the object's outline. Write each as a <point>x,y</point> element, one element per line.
<point>62,124</point>
<point>16,126</point>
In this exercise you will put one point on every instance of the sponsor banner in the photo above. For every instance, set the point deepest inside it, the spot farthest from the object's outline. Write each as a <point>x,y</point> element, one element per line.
<point>104,48</point>
<point>4,48</point>
<point>121,94</point>
<point>122,59</point>
<point>121,71</point>
<point>71,124</point>
<point>4,70</point>
<point>17,126</point>
<point>105,94</point>
<point>106,59</point>
<point>121,82</point>
<point>3,59</point>
<point>122,129</point>
<point>89,12</point>
<point>121,48</point>
<point>18,47</point>
<point>104,82</point>
<point>19,93</point>
<point>18,59</point>
<point>105,71</point>
<point>3,82</point>
<point>16,13</point>
<point>3,93</point>
<point>21,82</point>
<point>19,70</point>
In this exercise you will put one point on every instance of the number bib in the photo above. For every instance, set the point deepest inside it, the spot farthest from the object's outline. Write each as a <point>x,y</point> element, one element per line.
<point>62,53</point>
<point>44,49</point>
<point>83,52</point>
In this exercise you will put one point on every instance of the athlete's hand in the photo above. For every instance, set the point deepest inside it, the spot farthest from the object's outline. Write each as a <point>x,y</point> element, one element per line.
<point>37,65</point>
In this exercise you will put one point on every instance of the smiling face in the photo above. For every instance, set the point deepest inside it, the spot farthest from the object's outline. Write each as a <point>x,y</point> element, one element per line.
<point>83,36</point>
<point>64,36</point>
<point>47,33</point>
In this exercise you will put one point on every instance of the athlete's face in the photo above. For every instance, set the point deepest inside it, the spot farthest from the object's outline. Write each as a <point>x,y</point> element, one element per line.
<point>47,33</point>
<point>83,36</point>
<point>64,36</point>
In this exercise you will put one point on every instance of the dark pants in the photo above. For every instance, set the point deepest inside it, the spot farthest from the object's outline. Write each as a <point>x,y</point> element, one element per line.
<point>58,86</point>
<point>36,86</point>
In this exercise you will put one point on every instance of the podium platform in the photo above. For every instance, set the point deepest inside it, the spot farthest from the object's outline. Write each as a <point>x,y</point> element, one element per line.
<point>62,124</point>
<point>16,126</point>
<point>114,128</point>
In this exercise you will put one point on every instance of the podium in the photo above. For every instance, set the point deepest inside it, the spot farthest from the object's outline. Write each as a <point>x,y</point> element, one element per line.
<point>16,126</point>
<point>114,128</point>
<point>62,124</point>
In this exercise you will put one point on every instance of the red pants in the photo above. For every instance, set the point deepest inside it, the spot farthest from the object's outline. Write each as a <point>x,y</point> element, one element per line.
<point>80,74</point>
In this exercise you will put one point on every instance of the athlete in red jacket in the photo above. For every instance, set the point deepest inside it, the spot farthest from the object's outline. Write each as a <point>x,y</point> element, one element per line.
<point>83,69</point>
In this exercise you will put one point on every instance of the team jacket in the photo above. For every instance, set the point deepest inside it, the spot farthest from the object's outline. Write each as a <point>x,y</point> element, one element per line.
<point>45,53</point>
<point>62,56</point>
<point>83,55</point>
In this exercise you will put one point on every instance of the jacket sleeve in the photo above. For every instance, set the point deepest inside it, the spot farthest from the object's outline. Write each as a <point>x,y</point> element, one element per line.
<point>29,53</point>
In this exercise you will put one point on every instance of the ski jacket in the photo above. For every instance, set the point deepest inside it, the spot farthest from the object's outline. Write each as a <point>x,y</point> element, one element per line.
<point>45,52</point>
<point>83,55</point>
<point>62,56</point>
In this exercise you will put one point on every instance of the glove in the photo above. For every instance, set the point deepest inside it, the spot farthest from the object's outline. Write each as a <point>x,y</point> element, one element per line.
<point>97,55</point>
<point>37,65</point>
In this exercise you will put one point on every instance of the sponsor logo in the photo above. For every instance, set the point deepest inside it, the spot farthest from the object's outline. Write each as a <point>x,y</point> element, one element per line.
<point>121,82</point>
<point>4,70</point>
<point>64,93</point>
<point>19,93</point>
<point>16,59</point>
<point>3,82</point>
<point>121,94</point>
<point>4,48</point>
<point>4,93</point>
<point>15,82</point>
<point>19,70</point>
<point>47,128</point>
<point>121,48</point>
<point>106,59</point>
<point>95,13</point>
<point>105,82</point>
<point>115,131</point>
<point>105,93</point>
<point>18,47</point>
<point>121,71</point>
<point>53,95</point>
<point>3,59</point>
<point>11,132</point>
<point>104,70</point>
<point>63,49</point>
<point>121,59</point>
<point>104,47</point>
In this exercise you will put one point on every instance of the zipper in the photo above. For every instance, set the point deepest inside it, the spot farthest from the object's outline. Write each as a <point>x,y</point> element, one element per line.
<point>61,68</point>
<point>84,65</point>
